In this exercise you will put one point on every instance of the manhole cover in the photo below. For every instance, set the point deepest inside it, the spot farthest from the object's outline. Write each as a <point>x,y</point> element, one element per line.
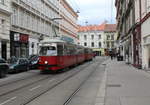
<point>113,85</point>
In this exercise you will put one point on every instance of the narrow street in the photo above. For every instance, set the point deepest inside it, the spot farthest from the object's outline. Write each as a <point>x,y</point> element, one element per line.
<point>29,89</point>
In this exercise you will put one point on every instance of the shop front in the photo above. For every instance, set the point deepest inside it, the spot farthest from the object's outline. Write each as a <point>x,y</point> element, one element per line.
<point>99,51</point>
<point>146,53</point>
<point>19,44</point>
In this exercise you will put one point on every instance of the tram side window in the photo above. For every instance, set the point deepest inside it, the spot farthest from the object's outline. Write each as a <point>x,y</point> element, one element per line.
<point>73,50</point>
<point>65,50</point>
<point>48,51</point>
<point>60,49</point>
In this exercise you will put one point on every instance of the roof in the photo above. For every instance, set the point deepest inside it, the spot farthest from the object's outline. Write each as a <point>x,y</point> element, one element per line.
<point>110,27</point>
<point>101,27</point>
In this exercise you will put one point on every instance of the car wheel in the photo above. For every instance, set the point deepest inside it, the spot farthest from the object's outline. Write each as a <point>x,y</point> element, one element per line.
<point>27,69</point>
<point>2,73</point>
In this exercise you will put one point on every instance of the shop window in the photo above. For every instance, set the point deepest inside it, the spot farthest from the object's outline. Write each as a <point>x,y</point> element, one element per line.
<point>32,45</point>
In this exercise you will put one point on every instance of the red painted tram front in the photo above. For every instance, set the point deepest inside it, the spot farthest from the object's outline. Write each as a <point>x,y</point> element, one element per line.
<point>56,55</point>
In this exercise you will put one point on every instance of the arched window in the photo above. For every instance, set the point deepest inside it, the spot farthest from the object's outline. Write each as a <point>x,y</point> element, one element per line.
<point>85,37</point>
<point>92,44</point>
<point>92,37</point>
<point>99,44</point>
<point>85,44</point>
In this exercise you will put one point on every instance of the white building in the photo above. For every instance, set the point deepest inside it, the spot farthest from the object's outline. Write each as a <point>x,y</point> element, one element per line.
<point>4,28</point>
<point>34,20</point>
<point>98,37</point>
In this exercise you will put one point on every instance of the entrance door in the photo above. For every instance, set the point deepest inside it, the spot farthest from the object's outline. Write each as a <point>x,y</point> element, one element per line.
<point>4,50</point>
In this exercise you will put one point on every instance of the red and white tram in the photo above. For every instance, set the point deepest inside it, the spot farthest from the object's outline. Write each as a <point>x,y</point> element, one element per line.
<point>56,54</point>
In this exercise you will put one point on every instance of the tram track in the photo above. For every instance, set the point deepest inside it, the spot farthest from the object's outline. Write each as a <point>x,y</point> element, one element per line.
<point>7,89</point>
<point>79,87</point>
<point>36,85</point>
<point>57,84</point>
<point>17,80</point>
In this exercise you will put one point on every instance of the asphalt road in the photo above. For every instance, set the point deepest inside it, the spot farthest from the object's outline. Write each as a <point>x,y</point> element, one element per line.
<point>30,87</point>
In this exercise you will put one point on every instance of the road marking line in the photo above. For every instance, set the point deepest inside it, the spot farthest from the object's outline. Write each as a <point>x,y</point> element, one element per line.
<point>35,88</point>
<point>8,100</point>
<point>51,80</point>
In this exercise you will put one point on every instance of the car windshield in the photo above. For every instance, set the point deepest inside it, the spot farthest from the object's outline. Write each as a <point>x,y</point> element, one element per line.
<point>48,50</point>
<point>12,60</point>
<point>33,58</point>
<point>2,61</point>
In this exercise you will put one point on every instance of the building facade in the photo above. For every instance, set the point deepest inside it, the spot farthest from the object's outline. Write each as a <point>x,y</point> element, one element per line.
<point>35,20</point>
<point>132,25</point>
<point>145,34</point>
<point>100,38</point>
<point>5,13</point>
<point>110,37</point>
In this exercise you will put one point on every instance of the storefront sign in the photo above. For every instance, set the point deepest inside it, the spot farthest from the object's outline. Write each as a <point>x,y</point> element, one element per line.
<point>24,38</point>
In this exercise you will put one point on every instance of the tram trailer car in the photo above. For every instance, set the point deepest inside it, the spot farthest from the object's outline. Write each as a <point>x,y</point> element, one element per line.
<point>56,55</point>
<point>88,54</point>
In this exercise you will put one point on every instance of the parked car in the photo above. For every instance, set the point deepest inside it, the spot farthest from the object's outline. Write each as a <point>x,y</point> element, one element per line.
<point>33,61</point>
<point>18,65</point>
<point>3,68</point>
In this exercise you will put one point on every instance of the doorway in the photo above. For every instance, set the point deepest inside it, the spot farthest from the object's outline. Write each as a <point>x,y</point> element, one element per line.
<point>4,50</point>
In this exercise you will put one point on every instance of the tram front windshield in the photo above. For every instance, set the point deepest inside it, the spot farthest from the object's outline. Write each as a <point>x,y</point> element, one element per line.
<point>48,51</point>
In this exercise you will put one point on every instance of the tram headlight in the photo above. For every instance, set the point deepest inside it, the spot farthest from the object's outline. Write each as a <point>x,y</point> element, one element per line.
<point>46,62</point>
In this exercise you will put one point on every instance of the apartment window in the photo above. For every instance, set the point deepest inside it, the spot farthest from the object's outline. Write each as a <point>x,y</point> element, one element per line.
<point>99,44</point>
<point>112,37</point>
<point>148,5</point>
<point>108,37</point>
<point>92,37</point>
<point>99,36</point>
<point>108,45</point>
<point>92,44</point>
<point>14,16</point>
<point>85,37</point>
<point>3,25</point>
<point>85,44</point>
<point>112,44</point>
<point>28,20</point>
<point>2,1</point>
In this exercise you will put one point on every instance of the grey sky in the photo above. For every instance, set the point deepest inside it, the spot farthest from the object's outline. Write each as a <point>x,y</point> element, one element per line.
<point>94,11</point>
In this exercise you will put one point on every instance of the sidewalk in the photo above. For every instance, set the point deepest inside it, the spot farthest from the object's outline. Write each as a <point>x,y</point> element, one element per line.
<point>126,85</point>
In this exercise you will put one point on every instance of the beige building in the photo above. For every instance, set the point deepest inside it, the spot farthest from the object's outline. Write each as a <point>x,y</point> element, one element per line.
<point>5,13</point>
<point>35,20</point>
<point>110,37</point>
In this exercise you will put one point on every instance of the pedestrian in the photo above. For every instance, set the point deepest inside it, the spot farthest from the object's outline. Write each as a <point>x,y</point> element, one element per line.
<point>111,55</point>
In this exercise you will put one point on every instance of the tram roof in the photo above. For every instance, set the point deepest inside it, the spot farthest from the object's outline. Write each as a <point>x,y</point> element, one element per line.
<point>52,41</point>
